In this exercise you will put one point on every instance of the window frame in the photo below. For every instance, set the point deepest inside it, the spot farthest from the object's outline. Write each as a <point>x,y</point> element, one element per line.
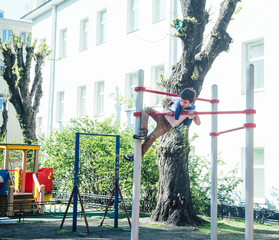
<point>129,91</point>
<point>1,103</point>
<point>63,43</point>
<point>60,105</point>
<point>156,74</point>
<point>99,100</point>
<point>257,199</point>
<point>81,101</point>
<point>8,35</point>
<point>101,26</point>
<point>247,61</point>
<point>83,44</point>
<point>133,16</point>
<point>159,11</point>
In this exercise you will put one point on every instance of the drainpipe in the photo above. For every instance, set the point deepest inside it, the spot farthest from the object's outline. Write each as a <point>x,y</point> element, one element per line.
<point>52,70</point>
<point>173,40</point>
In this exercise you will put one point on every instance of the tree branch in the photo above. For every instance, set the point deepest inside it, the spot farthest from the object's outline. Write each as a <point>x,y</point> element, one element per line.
<point>10,77</point>
<point>220,39</point>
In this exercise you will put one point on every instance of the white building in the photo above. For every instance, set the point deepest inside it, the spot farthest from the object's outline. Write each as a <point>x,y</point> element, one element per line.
<point>98,46</point>
<point>7,26</point>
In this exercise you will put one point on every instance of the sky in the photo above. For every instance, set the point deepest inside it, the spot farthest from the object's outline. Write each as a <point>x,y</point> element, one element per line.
<point>15,9</point>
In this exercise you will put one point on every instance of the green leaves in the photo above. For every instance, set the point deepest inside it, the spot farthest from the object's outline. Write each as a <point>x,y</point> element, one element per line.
<point>97,159</point>
<point>200,182</point>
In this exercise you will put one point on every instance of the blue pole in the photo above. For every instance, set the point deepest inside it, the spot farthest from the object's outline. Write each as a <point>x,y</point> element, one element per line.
<point>116,181</point>
<point>76,182</point>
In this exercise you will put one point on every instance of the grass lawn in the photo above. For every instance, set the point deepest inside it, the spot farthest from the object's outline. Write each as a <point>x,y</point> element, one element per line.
<point>235,229</point>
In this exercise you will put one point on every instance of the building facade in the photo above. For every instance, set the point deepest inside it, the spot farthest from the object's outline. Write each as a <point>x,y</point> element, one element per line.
<point>98,47</point>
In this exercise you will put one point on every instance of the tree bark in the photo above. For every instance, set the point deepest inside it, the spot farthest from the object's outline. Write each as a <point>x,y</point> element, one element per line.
<point>3,129</point>
<point>174,196</point>
<point>174,204</point>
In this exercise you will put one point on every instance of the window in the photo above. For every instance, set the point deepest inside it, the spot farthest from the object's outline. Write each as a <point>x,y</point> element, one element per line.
<point>63,43</point>
<point>1,68</point>
<point>159,10</point>
<point>102,26</point>
<point>156,77</point>
<point>131,80</point>
<point>99,97</point>
<point>81,101</point>
<point>133,15</point>
<point>39,125</point>
<point>259,175</point>
<point>42,40</point>
<point>24,36</point>
<point>83,34</point>
<point>60,106</point>
<point>7,35</point>
<point>1,103</point>
<point>254,54</point>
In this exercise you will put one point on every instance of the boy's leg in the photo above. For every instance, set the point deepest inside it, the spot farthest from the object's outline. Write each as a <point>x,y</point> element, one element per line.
<point>144,122</point>
<point>144,118</point>
<point>161,128</point>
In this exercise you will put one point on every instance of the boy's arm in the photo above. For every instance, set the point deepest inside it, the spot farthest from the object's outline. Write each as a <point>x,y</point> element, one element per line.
<point>166,102</point>
<point>196,118</point>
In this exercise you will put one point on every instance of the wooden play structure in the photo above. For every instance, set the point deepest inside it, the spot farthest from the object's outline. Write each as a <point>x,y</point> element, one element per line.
<point>22,191</point>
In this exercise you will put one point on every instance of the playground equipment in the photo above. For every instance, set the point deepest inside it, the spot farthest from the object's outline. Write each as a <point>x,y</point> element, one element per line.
<point>25,191</point>
<point>116,190</point>
<point>249,125</point>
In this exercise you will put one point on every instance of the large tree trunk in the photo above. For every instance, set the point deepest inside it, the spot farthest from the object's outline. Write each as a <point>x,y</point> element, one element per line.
<point>174,204</point>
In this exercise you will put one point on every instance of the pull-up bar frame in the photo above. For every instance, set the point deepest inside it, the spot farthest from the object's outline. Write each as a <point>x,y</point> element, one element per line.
<point>116,177</point>
<point>249,125</point>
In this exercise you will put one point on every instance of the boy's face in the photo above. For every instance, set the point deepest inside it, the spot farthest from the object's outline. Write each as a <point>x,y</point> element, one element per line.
<point>184,103</point>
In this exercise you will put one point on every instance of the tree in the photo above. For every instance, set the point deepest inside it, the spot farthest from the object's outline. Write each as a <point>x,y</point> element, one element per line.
<point>25,94</point>
<point>3,128</point>
<point>174,204</point>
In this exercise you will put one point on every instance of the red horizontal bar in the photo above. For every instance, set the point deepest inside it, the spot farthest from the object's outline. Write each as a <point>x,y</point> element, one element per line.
<point>202,113</point>
<point>172,94</point>
<point>231,130</point>
<point>250,125</point>
<point>246,125</point>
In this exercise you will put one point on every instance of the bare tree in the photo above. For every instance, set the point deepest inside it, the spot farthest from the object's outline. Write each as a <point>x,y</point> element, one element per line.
<point>174,203</point>
<point>25,94</point>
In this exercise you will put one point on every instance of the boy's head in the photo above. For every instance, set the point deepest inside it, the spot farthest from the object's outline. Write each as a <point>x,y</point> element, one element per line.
<point>188,94</point>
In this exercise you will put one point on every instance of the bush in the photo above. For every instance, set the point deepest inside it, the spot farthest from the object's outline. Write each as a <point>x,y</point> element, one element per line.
<point>200,182</point>
<point>97,159</point>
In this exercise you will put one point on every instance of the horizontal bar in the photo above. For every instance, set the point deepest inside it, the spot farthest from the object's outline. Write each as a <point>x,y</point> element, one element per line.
<point>246,125</point>
<point>227,131</point>
<point>172,94</point>
<point>96,134</point>
<point>203,113</point>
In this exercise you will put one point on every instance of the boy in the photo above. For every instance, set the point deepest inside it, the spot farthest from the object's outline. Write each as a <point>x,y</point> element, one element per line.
<point>165,123</point>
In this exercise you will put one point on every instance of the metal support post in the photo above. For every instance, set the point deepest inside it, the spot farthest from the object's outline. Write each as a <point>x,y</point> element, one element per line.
<point>137,162</point>
<point>75,202</point>
<point>116,181</point>
<point>249,163</point>
<point>214,157</point>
